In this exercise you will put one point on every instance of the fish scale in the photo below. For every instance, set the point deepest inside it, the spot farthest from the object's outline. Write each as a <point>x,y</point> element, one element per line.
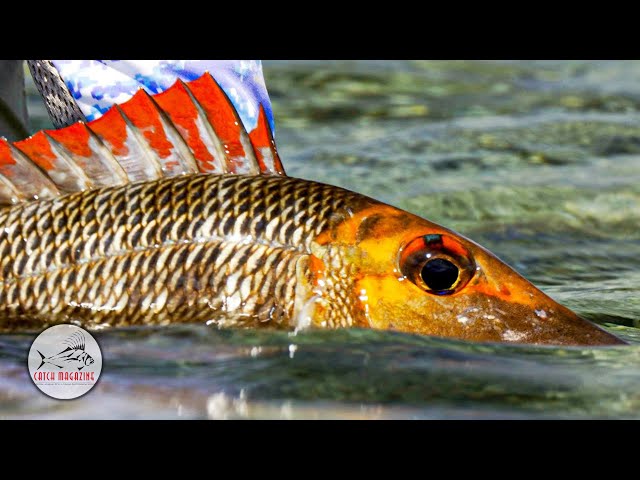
<point>176,249</point>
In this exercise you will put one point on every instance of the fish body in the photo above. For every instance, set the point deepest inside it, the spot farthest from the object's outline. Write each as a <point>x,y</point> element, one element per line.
<point>229,239</point>
<point>178,249</point>
<point>247,250</point>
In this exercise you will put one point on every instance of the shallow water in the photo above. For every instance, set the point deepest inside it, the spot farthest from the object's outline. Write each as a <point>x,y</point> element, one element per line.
<point>538,161</point>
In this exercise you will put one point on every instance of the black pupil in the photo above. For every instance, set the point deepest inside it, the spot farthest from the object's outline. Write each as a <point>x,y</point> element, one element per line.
<point>439,274</point>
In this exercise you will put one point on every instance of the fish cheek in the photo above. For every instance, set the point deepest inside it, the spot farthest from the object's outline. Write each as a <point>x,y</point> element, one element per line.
<point>388,303</point>
<point>391,303</point>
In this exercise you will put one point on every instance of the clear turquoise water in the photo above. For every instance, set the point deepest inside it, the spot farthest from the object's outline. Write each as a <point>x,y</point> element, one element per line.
<point>538,161</point>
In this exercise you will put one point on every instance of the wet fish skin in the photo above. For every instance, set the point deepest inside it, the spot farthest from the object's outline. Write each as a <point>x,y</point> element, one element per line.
<point>247,250</point>
<point>183,249</point>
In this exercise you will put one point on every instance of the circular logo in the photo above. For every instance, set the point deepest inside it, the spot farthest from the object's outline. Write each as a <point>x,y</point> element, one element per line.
<point>65,361</point>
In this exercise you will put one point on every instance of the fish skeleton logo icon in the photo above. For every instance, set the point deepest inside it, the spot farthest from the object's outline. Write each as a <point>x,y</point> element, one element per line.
<point>65,361</point>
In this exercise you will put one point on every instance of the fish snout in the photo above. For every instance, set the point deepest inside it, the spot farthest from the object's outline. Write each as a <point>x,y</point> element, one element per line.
<point>524,314</point>
<point>564,327</point>
<point>542,322</point>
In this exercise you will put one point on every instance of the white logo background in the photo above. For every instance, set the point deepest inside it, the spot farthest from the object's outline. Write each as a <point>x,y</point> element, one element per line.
<point>53,376</point>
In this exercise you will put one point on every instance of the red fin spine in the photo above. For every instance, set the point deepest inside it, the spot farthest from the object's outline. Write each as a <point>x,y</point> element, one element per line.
<point>89,153</point>
<point>58,165</point>
<point>176,103</point>
<point>175,158</point>
<point>265,146</point>
<point>208,134</point>
<point>100,166</point>
<point>225,121</point>
<point>131,153</point>
<point>29,181</point>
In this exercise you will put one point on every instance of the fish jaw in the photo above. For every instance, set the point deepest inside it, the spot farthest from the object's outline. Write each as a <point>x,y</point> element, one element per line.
<point>495,304</point>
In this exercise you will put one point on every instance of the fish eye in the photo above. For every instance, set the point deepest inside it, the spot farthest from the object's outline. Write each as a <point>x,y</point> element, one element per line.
<point>437,263</point>
<point>439,274</point>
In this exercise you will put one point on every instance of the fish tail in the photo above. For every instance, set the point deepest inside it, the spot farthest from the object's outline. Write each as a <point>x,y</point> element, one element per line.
<point>41,358</point>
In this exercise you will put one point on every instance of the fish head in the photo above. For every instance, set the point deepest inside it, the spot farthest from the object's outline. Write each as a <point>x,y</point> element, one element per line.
<point>416,276</point>
<point>89,360</point>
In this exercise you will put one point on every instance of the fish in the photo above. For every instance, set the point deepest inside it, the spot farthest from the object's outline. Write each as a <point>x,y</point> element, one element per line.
<point>166,209</point>
<point>73,355</point>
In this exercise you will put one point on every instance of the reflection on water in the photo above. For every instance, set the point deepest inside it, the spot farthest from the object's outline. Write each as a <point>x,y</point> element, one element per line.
<point>538,161</point>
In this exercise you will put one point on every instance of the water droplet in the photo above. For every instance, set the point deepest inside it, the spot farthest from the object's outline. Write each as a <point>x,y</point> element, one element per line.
<point>541,313</point>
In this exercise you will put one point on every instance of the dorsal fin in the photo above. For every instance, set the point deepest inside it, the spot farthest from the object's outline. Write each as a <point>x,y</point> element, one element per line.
<point>238,151</point>
<point>46,153</point>
<point>265,145</point>
<point>162,136</point>
<point>89,153</point>
<point>22,179</point>
<point>190,127</point>
<point>131,151</point>
<point>179,107</point>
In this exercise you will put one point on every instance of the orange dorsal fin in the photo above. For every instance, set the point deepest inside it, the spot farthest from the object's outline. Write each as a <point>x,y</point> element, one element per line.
<point>226,124</point>
<point>21,178</point>
<point>265,146</point>
<point>191,127</point>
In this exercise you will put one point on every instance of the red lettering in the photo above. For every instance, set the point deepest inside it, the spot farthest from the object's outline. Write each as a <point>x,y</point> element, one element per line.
<point>44,376</point>
<point>64,376</point>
